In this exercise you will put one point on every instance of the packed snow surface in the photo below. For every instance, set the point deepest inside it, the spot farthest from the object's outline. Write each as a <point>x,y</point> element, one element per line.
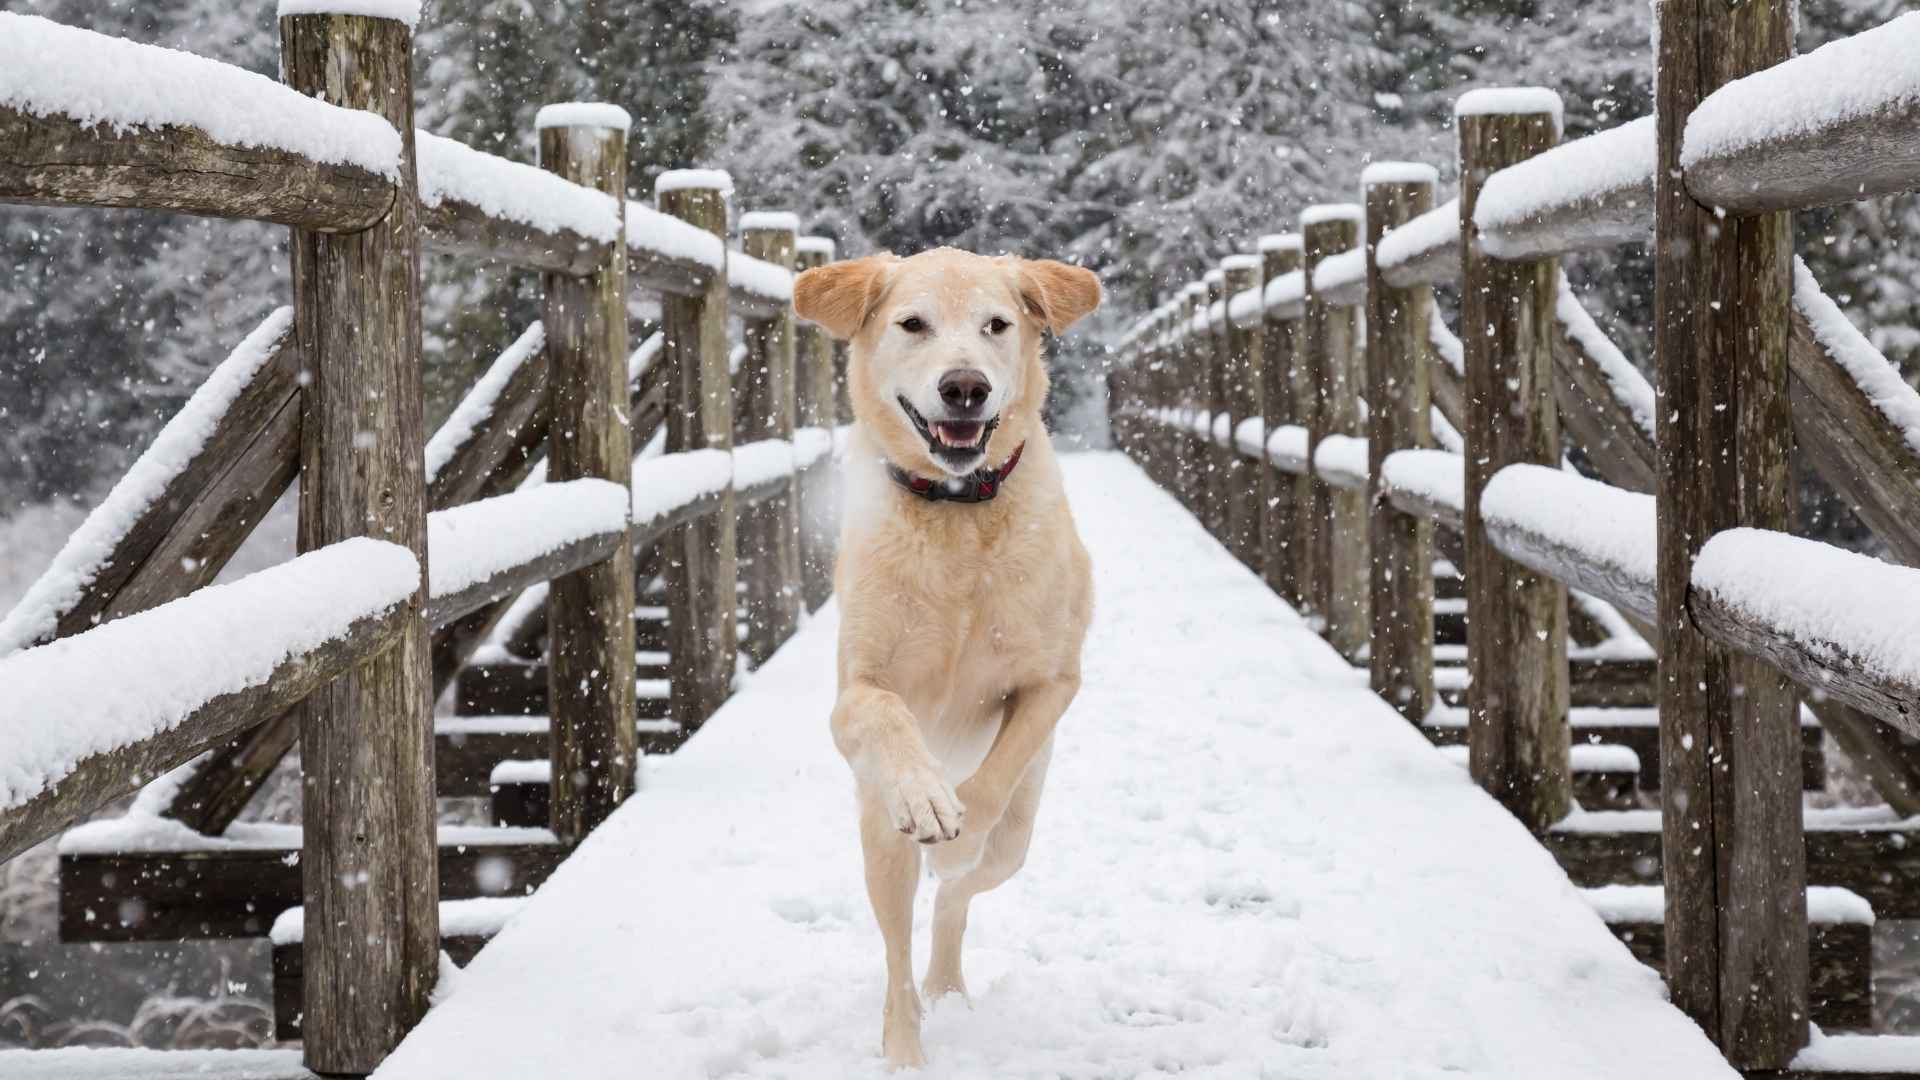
<point>81,560</point>
<point>47,69</point>
<point>511,191</point>
<point>582,114</point>
<point>168,661</point>
<point>482,400</point>
<point>1855,77</point>
<point>403,11</point>
<point>1620,159</point>
<point>468,544</point>
<point>1299,886</point>
<point>1854,610</point>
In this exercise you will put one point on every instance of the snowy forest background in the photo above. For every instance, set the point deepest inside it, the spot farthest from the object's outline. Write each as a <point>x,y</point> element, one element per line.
<point>1142,138</point>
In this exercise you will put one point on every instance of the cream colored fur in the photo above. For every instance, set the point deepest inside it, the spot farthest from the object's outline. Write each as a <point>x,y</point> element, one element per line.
<point>961,624</point>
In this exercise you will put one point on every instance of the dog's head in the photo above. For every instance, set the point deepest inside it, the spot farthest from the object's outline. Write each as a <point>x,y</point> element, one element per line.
<point>945,367</point>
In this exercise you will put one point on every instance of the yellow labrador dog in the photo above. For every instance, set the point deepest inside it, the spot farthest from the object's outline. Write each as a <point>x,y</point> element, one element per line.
<point>964,590</point>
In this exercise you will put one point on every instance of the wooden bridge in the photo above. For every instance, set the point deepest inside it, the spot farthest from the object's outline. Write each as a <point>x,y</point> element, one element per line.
<point>1259,865</point>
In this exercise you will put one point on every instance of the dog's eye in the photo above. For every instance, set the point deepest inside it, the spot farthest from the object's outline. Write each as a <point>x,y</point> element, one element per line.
<point>913,324</point>
<point>997,326</point>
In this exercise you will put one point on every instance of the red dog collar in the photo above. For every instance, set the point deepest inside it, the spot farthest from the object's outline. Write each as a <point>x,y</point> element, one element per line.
<point>979,486</point>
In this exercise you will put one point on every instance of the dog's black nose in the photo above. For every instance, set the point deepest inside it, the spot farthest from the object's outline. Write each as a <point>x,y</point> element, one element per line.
<point>965,390</point>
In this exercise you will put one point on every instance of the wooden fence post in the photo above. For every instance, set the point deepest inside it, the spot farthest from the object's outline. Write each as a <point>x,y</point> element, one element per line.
<point>1193,400</point>
<point>1280,493</point>
<point>1399,403</point>
<point>1244,393</point>
<point>1734,861</point>
<point>1213,397</point>
<point>701,556</point>
<point>595,754</point>
<point>770,532</point>
<point>1340,574</point>
<point>370,860</point>
<point>1517,619</point>
<point>813,358</point>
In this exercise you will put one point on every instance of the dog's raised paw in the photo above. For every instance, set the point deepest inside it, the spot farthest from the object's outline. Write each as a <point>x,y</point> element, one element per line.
<point>923,805</point>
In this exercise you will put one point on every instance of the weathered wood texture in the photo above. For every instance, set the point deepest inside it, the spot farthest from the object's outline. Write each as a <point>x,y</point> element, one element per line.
<point>1245,387</point>
<point>1835,161</point>
<point>1279,492</point>
<point>1194,359</point>
<point>366,737</point>
<point>1340,577</point>
<point>101,778</point>
<point>504,444</point>
<point>769,409</point>
<point>1221,459</point>
<point>590,611</point>
<point>1448,373</point>
<point>60,161</point>
<point>1399,405</point>
<point>701,555</point>
<point>289,978</point>
<point>462,229</point>
<point>1517,642</point>
<point>819,494</point>
<point>1841,969</point>
<point>1736,868</point>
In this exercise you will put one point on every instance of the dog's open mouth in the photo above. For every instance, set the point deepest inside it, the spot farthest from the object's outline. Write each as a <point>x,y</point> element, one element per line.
<point>956,444</point>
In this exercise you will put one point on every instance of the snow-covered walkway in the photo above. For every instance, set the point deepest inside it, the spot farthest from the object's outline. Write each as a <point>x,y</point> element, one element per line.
<point>1245,866</point>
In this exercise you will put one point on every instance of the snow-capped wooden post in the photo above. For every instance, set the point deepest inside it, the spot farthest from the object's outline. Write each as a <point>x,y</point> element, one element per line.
<point>1399,402</point>
<point>1242,379</point>
<point>770,532</point>
<point>1735,860</point>
<point>1279,354</point>
<point>1212,341</point>
<point>1517,618</point>
<point>589,612</point>
<point>370,861</point>
<point>1338,517</point>
<point>702,565</point>
<point>813,359</point>
<point>1193,399</point>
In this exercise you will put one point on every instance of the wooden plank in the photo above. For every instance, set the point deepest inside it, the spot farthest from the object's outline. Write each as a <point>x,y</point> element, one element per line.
<point>1736,871</point>
<point>1400,656</point>
<point>366,737</point>
<point>1279,492</point>
<point>1244,389</point>
<point>1590,725</point>
<point>99,779</point>
<point>1220,457</point>
<point>1595,417</point>
<point>1517,643</point>
<point>237,893</point>
<point>289,975</point>
<point>589,611</point>
<point>1341,578</point>
<point>1840,987</point>
<point>769,409</point>
<point>63,161</point>
<point>701,555</point>
<point>499,451</point>
<point>459,228</point>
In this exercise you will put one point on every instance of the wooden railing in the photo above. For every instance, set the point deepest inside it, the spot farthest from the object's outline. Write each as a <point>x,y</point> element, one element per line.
<point>122,664</point>
<point>1687,529</point>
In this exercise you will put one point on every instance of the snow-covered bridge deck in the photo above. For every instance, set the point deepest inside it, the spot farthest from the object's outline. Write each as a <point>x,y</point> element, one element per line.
<point>1246,866</point>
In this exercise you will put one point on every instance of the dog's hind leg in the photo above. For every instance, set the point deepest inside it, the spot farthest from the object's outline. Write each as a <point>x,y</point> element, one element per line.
<point>1004,852</point>
<point>893,875</point>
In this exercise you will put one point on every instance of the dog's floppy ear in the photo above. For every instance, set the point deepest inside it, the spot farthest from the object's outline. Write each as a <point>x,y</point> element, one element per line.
<point>1058,294</point>
<point>840,296</point>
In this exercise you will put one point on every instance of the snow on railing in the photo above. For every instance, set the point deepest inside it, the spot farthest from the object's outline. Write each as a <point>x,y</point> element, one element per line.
<point>170,661</point>
<point>1435,480</point>
<point>670,482</point>
<point>510,191</point>
<point>482,400</point>
<point>1590,535</point>
<point>83,556</point>
<point>1287,448</point>
<point>1433,235</point>
<point>1629,388</point>
<point>1337,275</point>
<point>1591,192</point>
<point>469,544</point>
<point>1877,378</point>
<point>1341,460</point>
<point>759,277</point>
<point>47,69</point>
<point>651,232</point>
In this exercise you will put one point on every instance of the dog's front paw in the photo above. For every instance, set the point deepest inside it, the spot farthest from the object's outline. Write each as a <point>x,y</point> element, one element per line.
<point>923,805</point>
